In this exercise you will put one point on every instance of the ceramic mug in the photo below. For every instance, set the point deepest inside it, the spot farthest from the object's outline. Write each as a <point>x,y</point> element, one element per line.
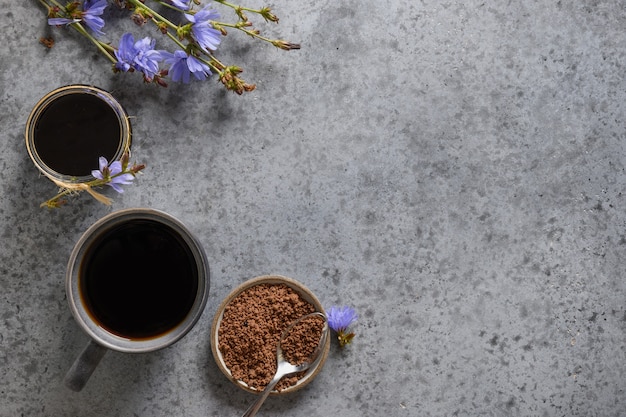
<point>137,281</point>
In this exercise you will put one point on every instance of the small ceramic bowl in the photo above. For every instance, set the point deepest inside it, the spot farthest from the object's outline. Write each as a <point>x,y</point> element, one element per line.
<point>305,293</point>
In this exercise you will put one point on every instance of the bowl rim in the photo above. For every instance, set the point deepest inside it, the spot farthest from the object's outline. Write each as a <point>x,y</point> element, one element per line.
<point>267,279</point>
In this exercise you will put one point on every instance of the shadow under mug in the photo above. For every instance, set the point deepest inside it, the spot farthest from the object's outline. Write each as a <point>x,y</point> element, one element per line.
<point>71,127</point>
<point>137,281</point>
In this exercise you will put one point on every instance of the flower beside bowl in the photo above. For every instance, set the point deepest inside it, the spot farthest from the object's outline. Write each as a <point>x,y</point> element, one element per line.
<point>248,324</point>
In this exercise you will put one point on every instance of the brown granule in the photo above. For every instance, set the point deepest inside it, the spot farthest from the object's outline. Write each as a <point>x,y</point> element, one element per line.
<point>251,327</point>
<point>300,342</point>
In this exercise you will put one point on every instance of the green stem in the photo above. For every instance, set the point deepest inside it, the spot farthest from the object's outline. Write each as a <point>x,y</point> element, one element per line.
<point>44,3</point>
<point>246,31</point>
<point>56,3</point>
<point>105,50</point>
<point>176,41</point>
<point>235,7</point>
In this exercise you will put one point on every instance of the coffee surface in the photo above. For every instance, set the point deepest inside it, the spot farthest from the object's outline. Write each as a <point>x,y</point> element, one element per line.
<point>74,130</point>
<point>139,280</point>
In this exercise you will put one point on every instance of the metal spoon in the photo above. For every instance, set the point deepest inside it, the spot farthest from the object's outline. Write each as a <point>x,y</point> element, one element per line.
<point>284,368</point>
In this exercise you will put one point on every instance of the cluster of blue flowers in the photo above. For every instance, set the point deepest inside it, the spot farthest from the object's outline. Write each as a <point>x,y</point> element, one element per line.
<point>141,55</point>
<point>196,37</point>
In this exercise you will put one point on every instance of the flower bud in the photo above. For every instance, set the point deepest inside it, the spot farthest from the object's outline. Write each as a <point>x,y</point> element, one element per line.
<point>268,15</point>
<point>234,69</point>
<point>124,160</point>
<point>158,80</point>
<point>139,19</point>
<point>136,168</point>
<point>53,11</point>
<point>47,42</point>
<point>241,14</point>
<point>287,46</point>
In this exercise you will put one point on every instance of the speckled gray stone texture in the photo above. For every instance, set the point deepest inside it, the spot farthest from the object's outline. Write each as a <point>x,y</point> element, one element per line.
<point>455,170</point>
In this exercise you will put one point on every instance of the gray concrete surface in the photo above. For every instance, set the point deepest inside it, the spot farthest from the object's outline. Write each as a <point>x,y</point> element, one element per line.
<point>452,169</point>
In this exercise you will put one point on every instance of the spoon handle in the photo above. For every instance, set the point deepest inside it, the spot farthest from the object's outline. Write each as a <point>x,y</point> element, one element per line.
<point>252,410</point>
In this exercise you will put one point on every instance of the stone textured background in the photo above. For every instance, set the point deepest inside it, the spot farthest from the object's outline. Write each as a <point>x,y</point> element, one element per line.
<point>452,169</point>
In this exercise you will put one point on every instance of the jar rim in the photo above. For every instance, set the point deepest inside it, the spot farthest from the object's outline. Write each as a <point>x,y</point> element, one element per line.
<point>49,98</point>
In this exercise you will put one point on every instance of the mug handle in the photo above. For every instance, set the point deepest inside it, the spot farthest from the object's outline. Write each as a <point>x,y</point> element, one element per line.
<point>84,365</point>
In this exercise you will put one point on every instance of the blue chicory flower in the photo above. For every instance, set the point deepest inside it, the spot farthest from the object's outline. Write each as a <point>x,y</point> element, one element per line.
<point>139,55</point>
<point>92,10</point>
<point>181,66</point>
<point>110,173</point>
<point>203,31</point>
<point>90,14</point>
<point>340,318</point>
<point>125,53</point>
<point>147,58</point>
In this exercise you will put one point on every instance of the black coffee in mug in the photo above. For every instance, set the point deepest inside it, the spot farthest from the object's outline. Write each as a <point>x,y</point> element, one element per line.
<point>139,279</point>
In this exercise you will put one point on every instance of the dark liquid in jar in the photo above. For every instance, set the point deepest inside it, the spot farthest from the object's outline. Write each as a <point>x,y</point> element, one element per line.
<point>139,280</point>
<point>74,130</point>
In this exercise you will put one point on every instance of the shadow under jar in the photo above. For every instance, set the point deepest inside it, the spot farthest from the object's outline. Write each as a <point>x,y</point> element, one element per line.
<point>71,127</point>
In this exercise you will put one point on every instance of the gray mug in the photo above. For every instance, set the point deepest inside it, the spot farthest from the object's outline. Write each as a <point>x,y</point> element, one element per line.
<point>137,281</point>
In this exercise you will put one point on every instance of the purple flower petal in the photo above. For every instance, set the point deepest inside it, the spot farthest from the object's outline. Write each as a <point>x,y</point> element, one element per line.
<point>125,53</point>
<point>115,167</point>
<point>123,179</point>
<point>199,69</point>
<point>116,187</point>
<point>58,21</point>
<point>181,4</point>
<point>182,66</point>
<point>340,318</point>
<point>92,9</point>
<point>102,163</point>
<point>203,31</point>
<point>140,55</point>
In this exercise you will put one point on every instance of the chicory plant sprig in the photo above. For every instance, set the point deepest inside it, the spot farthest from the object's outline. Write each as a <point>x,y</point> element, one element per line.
<point>195,34</point>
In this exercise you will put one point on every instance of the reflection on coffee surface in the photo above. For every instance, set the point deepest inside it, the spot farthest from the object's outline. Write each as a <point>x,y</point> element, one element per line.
<point>74,130</point>
<point>139,280</point>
